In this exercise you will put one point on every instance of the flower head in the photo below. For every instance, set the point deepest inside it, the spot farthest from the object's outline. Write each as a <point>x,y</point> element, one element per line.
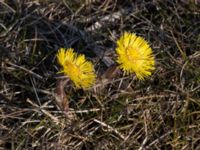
<point>76,67</point>
<point>135,55</point>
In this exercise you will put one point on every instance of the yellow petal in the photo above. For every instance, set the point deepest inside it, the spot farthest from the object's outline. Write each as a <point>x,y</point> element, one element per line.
<point>135,55</point>
<point>77,68</point>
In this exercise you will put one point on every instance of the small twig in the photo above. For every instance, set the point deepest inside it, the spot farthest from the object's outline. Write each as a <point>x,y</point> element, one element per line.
<point>106,82</point>
<point>85,4</point>
<point>110,128</point>
<point>50,116</point>
<point>7,6</point>
<point>85,111</point>
<point>179,48</point>
<point>146,130</point>
<point>158,139</point>
<point>56,120</point>
<point>111,18</point>
<point>24,69</point>
<point>34,89</point>
<point>154,96</point>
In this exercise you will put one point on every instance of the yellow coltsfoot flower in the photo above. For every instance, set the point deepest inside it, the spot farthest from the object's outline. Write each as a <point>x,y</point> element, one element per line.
<point>76,67</point>
<point>135,55</point>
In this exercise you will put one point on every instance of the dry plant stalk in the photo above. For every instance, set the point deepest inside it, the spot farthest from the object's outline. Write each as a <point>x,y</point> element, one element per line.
<point>111,72</point>
<point>60,95</point>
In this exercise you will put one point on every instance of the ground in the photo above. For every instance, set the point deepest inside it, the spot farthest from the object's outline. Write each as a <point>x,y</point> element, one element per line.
<point>161,112</point>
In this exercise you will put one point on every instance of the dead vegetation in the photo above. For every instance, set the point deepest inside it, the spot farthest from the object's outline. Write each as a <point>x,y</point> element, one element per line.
<point>123,113</point>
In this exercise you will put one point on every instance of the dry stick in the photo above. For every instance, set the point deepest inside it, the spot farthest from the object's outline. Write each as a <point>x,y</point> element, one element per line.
<point>195,89</point>
<point>85,111</point>
<point>179,48</point>
<point>146,130</point>
<point>56,120</point>
<point>154,96</point>
<point>111,18</point>
<point>163,136</point>
<point>181,75</point>
<point>36,94</point>
<point>7,6</point>
<point>26,70</point>
<point>105,82</point>
<point>110,128</point>
<point>128,136</point>
<point>85,4</point>
<point>158,139</point>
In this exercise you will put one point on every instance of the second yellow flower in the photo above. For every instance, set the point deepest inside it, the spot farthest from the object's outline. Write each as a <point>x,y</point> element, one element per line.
<point>135,55</point>
<point>76,67</point>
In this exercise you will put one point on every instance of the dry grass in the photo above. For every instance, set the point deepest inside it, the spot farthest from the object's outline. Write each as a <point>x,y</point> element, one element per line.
<point>162,112</point>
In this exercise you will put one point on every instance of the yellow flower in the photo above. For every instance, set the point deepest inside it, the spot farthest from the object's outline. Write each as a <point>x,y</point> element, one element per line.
<point>135,55</point>
<point>76,67</point>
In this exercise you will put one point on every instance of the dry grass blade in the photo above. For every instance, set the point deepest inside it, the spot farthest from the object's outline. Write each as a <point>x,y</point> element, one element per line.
<point>24,69</point>
<point>110,128</point>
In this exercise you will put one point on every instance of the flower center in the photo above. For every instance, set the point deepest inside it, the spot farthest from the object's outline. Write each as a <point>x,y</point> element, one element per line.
<point>132,54</point>
<point>72,68</point>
